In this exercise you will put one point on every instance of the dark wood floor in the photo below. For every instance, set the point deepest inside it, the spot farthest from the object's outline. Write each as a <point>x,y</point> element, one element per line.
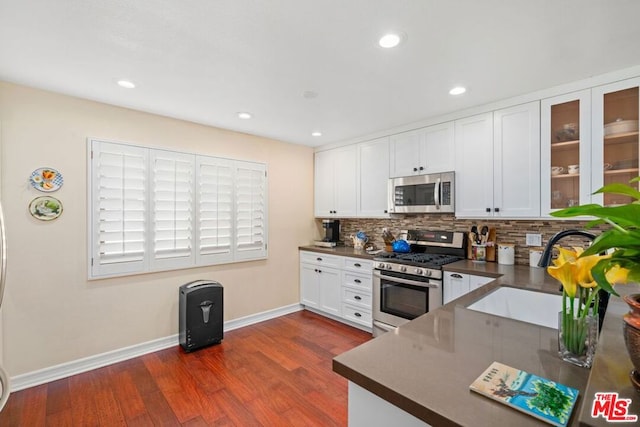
<point>275,373</point>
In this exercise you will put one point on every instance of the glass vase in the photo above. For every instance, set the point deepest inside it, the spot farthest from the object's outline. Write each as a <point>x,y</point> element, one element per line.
<point>577,339</point>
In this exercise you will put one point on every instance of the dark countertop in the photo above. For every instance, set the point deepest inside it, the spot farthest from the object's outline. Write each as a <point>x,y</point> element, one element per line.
<point>339,251</point>
<point>425,368</point>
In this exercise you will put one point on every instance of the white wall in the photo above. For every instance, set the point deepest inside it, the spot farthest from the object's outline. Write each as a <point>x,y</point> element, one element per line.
<point>52,313</point>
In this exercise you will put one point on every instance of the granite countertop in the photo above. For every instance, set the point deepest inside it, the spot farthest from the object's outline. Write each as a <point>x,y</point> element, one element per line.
<point>425,368</point>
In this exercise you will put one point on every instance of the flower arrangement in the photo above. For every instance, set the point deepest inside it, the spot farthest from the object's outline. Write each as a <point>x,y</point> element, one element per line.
<point>580,297</point>
<point>621,242</point>
<point>613,258</point>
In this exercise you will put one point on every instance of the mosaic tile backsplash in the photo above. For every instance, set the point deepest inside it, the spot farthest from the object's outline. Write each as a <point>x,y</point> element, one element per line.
<point>507,231</point>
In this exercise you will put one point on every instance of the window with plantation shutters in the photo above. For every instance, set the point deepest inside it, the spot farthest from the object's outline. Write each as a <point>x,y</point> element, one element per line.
<point>250,190</point>
<point>172,200</point>
<point>119,208</point>
<point>156,210</point>
<point>215,209</point>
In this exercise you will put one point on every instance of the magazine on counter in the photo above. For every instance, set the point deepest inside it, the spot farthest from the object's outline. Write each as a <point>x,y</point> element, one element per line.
<point>539,397</point>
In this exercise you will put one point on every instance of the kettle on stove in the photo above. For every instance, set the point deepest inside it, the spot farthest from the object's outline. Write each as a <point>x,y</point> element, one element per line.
<point>401,246</point>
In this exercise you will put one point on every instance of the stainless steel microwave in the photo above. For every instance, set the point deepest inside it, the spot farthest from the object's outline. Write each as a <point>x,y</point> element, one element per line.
<point>431,193</point>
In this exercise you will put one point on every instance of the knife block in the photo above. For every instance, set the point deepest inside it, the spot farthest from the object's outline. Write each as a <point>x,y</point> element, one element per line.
<point>491,245</point>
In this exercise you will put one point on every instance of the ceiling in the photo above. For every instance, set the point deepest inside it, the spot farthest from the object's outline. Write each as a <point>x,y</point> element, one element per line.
<point>206,60</point>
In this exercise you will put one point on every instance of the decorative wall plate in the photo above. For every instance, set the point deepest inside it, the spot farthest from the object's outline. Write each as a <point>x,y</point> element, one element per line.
<point>45,208</point>
<point>46,179</point>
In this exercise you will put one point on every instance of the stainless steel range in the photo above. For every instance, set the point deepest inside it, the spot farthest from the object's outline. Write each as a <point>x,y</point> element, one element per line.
<point>408,285</point>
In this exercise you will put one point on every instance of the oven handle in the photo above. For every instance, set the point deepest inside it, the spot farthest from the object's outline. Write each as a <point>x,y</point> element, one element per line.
<point>376,273</point>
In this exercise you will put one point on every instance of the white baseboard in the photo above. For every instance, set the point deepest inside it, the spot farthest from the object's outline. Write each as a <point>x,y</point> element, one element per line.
<point>45,375</point>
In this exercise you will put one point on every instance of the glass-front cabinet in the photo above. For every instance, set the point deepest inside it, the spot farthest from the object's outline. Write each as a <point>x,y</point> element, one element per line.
<point>615,137</point>
<point>565,151</point>
<point>589,139</point>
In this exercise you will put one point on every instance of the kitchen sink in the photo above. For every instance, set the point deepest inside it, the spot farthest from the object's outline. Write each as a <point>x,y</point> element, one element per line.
<point>528,306</point>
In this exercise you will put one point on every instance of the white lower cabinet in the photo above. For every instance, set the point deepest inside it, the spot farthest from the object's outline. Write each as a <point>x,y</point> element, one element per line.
<point>338,286</point>
<point>456,285</point>
<point>320,282</point>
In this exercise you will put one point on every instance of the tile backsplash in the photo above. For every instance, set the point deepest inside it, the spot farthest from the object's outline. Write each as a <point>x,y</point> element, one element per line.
<point>507,231</point>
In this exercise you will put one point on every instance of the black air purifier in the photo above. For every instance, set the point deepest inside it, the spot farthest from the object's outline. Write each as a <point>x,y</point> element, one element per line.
<point>200,310</point>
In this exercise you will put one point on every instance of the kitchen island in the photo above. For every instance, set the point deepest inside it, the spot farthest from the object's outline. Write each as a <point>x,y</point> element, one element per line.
<point>426,366</point>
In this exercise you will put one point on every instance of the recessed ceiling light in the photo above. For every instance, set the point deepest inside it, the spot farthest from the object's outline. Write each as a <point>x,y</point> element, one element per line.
<point>391,40</point>
<point>126,84</point>
<point>244,115</point>
<point>309,94</point>
<point>458,90</point>
<point>316,133</point>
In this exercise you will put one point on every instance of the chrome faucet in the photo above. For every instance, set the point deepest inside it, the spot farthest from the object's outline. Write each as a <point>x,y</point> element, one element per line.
<point>545,259</point>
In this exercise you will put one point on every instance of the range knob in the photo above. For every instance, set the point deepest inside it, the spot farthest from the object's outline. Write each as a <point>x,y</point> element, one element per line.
<point>403,269</point>
<point>389,267</point>
<point>419,271</point>
<point>381,265</point>
<point>428,273</point>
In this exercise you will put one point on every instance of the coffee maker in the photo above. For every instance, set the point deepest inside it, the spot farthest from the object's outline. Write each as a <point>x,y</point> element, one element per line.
<point>331,229</point>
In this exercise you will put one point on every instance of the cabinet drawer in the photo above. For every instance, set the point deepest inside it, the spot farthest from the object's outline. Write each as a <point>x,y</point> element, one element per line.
<point>357,314</point>
<point>358,280</point>
<point>356,297</point>
<point>320,259</point>
<point>358,264</point>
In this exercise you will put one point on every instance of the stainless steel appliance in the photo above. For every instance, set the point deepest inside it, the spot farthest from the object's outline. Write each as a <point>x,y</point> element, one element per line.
<point>408,285</point>
<point>432,193</point>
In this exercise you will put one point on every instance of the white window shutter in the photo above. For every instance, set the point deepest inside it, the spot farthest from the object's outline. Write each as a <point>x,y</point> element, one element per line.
<point>172,199</point>
<point>118,209</point>
<point>250,211</point>
<point>214,210</point>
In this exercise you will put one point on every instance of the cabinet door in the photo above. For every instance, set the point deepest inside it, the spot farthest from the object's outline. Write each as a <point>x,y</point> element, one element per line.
<point>330,290</point>
<point>474,166</point>
<point>614,156</point>
<point>405,152</point>
<point>476,282</point>
<point>323,184</point>
<point>309,286</point>
<point>345,182</point>
<point>373,160</point>
<point>516,161</point>
<point>454,285</point>
<point>437,152</point>
<point>565,140</point>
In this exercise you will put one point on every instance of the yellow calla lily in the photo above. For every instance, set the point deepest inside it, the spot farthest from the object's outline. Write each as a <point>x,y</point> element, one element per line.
<point>565,255</point>
<point>565,274</point>
<point>583,270</point>
<point>617,274</point>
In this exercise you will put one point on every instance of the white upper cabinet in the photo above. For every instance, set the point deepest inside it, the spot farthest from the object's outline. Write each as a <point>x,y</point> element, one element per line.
<point>565,141</point>
<point>614,124</point>
<point>373,177</point>
<point>335,182</point>
<point>423,151</point>
<point>498,163</point>
<point>474,166</point>
<point>516,151</point>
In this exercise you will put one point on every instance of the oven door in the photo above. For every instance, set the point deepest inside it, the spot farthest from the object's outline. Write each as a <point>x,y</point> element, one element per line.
<point>399,298</point>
